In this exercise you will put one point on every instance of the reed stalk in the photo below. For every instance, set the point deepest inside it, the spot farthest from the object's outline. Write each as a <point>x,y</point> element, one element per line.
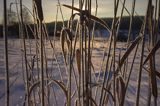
<point>80,84</point>
<point>6,52</point>
<point>141,59</point>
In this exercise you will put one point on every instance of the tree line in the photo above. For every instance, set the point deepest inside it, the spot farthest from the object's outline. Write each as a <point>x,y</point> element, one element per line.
<point>13,26</point>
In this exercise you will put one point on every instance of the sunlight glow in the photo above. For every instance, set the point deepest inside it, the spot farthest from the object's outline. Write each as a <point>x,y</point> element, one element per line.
<point>104,8</point>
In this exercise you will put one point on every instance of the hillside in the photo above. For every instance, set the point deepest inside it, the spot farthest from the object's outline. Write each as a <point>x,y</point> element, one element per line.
<point>13,30</point>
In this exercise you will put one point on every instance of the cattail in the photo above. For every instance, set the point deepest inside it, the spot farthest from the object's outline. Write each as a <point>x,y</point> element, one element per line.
<point>38,4</point>
<point>78,60</point>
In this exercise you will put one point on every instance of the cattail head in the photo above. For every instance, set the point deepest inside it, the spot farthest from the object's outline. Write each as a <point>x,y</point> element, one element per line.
<point>38,5</point>
<point>78,60</point>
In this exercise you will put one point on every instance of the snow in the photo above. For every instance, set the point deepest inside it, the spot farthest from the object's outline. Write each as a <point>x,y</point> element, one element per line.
<point>17,86</point>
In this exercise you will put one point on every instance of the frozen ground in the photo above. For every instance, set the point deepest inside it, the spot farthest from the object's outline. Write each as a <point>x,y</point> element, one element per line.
<point>17,86</point>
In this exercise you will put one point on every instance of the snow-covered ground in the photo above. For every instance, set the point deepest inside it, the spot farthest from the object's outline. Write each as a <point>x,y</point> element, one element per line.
<point>17,86</point>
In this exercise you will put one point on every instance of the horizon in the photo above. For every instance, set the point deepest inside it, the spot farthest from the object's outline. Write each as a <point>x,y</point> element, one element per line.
<point>104,8</point>
<point>100,18</point>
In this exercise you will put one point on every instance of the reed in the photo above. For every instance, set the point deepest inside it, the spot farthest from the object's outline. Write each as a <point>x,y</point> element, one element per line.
<point>6,53</point>
<point>74,62</point>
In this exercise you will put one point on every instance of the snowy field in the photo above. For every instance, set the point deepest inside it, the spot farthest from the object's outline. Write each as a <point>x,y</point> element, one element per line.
<point>56,62</point>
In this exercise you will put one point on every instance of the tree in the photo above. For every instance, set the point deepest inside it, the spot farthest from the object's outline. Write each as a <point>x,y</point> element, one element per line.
<point>13,17</point>
<point>26,16</point>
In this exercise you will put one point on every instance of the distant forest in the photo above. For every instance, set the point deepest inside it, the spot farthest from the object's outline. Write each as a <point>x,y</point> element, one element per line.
<point>13,30</point>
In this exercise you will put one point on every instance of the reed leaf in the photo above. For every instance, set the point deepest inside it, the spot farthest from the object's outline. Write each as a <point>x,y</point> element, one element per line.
<point>122,83</point>
<point>152,52</point>
<point>60,84</point>
<point>49,82</point>
<point>158,74</point>
<point>65,37</point>
<point>94,18</point>
<point>127,53</point>
<point>93,101</point>
<point>153,81</point>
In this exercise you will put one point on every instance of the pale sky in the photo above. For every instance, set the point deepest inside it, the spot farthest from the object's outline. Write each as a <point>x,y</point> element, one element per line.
<point>105,8</point>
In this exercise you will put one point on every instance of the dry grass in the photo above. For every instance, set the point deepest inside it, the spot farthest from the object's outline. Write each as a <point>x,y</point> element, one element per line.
<point>82,86</point>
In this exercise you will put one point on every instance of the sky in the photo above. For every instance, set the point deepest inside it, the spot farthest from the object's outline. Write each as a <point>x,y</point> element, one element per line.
<point>105,8</point>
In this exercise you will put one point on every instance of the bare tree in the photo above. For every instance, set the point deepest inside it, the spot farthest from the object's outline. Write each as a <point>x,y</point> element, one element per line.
<point>13,17</point>
<point>26,16</point>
